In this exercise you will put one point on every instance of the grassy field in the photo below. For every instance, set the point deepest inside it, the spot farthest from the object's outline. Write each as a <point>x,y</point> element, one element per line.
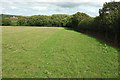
<point>42,52</point>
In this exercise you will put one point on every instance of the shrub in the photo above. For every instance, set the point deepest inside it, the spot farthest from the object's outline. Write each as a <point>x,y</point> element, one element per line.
<point>6,22</point>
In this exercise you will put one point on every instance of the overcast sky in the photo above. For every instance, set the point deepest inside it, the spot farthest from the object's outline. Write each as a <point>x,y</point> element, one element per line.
<point>49,7</point>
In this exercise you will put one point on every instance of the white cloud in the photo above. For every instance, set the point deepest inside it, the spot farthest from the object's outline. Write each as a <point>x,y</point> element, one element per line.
<point>39,8</point>
<point>92,10</point>
<point>101,1</point>
<point>48,7</point>
<point>13,7</point>
<point>1,9</point>
<point>6,12</point>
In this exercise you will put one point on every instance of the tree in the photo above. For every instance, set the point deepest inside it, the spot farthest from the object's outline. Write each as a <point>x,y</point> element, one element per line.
<point>112,20</point>
<point>86,24</point>
<point>108,7</point>
<point>77,18</point>
<point>58,19</point>
<point>109,17</point>
<point>6,22</point>
<point>22,22</point>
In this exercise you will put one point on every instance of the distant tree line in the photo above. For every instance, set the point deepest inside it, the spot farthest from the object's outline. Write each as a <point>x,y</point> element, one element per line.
<point>106,24</point>
<point>56,20</point>
<point>7,21</point>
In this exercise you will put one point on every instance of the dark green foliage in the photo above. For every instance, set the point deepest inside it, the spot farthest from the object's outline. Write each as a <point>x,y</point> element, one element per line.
<point>22,22</point>
<point>109,17</point>
<point>56,20</point>
<point>78,17</point>
<point>6,22</point>
<point>67,21</point>
<point>108,7</point>
<point>86,24</point>
<point>8,19</point>
<point>98,25</point>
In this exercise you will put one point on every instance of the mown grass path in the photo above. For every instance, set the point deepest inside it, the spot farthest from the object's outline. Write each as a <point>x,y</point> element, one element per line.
<point>42,52</point>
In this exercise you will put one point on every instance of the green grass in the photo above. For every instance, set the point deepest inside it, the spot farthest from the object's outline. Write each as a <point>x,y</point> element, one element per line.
<point>42,52</point>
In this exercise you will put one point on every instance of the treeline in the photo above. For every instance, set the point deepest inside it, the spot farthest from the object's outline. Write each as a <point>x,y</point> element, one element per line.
<point>56,20</point>
<point>7,16</point>
<point>6,21</point>
<point>106,24</point>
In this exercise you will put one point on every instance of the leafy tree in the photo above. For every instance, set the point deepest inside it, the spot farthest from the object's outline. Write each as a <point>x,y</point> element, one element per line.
<point>58,19</point>
<point>86,24</point>
<point>112,20</point>
<point>108,7</point>
<point>66,22</point>
<point>77,18</point>
<point>109,15</point>
<point>22,22</point>
<point>6,22</point>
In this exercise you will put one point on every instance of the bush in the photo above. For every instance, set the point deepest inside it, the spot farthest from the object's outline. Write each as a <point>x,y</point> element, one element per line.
<point>86,24</point>
<point>22,22</point>
<point>77,18</point>
<point>6,22</point>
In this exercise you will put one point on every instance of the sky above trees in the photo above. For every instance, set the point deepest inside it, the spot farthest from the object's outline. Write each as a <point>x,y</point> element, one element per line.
<point>49,7</point>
